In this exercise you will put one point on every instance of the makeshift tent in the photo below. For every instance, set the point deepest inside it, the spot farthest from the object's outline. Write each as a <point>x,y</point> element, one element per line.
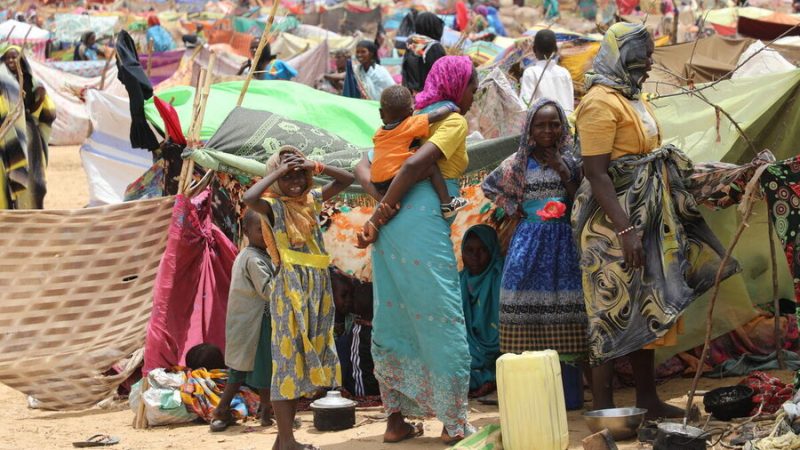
<point>19,33</point>
<point>76,297</point>
<point>68,92</point>
<point>108,159</point>
<point>190,296</point>
<point>769,27</point>
<point>163,64</point>
<point>766,109</point>
<point>70,27</point>
<point>353,120</point>
<point>708,59</point>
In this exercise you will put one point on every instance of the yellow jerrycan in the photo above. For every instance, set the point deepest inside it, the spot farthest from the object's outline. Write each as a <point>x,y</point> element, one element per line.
<point>530,396</point>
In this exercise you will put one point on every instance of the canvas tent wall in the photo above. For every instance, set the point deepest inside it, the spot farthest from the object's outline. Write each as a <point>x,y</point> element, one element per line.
<point>108,159</point>
<point>72,117</point>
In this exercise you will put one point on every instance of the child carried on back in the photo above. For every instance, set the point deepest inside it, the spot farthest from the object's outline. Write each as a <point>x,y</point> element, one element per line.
<point>398,138</point>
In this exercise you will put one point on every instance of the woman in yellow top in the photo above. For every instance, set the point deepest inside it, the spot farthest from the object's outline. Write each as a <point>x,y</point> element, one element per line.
<point>646,252</point>
<point>419,339</point>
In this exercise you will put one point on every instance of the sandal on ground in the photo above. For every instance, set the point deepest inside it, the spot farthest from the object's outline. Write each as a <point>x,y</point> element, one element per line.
<point>414,430</point>
<point>218,425</point>
<point>98,440</point>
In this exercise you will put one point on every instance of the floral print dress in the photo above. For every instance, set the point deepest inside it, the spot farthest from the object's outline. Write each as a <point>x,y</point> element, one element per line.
<point>303,349</point>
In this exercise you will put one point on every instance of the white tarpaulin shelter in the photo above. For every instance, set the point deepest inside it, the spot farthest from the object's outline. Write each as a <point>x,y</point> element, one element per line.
<point>68,91</point>
<point>13,30</point>
<point>108,159</point>
<point>70,27</point>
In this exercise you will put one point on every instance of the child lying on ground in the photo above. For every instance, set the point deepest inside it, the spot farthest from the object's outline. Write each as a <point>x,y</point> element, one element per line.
<point>248,330</point>
<point>399,137</point>
<point>301,303</point>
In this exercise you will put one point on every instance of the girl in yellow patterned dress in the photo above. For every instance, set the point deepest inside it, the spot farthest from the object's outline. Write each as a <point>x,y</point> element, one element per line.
<point>303,350</point>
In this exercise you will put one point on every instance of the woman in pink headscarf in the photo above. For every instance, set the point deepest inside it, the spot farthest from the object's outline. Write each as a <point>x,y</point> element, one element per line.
<point>419,343</point>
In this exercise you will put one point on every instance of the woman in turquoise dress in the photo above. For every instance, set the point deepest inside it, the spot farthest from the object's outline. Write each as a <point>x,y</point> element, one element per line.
<point>419,339</point>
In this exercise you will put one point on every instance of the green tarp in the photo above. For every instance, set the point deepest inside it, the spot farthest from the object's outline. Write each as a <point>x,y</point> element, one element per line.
<point>353,120</point>
<point>767,110</point>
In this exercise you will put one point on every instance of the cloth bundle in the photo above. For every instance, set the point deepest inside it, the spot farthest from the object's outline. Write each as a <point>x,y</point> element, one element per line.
<point>768,390</point>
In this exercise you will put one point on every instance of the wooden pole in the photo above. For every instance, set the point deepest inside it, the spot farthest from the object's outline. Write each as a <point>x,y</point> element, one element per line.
<point>710,312</point>
<point>775,299</point>
<point>149,57</point>
<point>265,37</point>
<point>105,69</point>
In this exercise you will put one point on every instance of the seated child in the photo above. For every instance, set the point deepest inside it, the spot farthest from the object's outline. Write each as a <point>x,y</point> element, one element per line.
<point>399,137</point>
<point>248,331</point>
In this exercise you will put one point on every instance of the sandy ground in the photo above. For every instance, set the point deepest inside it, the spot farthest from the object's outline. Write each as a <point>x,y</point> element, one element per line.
<point>66,180</point>
<point>25,428</point>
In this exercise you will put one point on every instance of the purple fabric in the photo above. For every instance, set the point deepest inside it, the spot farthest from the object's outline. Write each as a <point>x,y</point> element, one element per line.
<point>446,81</point>
<point>165,64</point>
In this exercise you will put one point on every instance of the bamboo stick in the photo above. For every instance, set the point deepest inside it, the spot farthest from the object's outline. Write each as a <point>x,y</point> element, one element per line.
<point>204,99</point>
<point>149,57</point>
<point>775,299</point>
<point>140,419</point>
<point>711,303</point>
<point>105,68</point>
<point>265,37</point>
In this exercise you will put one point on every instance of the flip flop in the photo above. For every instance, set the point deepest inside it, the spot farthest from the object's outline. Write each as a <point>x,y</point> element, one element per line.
<point>98,440</point>
<point>414,430</point>
<point>218,425</point>
<point>450,440</point>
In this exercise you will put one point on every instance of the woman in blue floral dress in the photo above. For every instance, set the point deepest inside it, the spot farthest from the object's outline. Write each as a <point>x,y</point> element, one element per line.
<point>541,300</point>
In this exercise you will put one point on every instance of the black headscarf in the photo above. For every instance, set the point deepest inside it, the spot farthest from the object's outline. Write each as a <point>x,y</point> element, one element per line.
<point>429,24</point>
<point>133,77</point>
<point>372,49</point>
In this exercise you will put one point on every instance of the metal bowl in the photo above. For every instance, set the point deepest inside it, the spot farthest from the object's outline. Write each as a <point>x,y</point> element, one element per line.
<point>622,423</point>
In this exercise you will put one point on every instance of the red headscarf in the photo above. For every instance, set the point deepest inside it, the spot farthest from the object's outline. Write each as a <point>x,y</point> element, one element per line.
<point>152,20</point>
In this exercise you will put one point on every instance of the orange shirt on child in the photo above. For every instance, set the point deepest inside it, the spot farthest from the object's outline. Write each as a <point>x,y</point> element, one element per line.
<point>393,147</point>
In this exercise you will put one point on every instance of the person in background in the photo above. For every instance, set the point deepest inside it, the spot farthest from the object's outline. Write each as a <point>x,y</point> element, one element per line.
<point>545,78</point>
<point>87,49</point>
<point>268,66</point>
<point>480,295</point>
<point>301,304</point>
<point>372,77</point>
<point>353,330</point>
<point>248,334</point>
<point>161,39</point>
<point>423,50</point>
<point>40,113</point>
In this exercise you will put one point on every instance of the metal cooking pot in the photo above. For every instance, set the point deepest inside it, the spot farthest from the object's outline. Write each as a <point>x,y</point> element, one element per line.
<point>676,436</point>
<point>334,412</point>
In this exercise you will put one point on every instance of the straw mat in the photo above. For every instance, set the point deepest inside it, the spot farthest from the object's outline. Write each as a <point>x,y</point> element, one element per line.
<point>75,297</point>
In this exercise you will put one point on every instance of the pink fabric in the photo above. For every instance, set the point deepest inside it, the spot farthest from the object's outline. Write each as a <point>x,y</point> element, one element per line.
<point>446,81</point>
<point>190,297</point>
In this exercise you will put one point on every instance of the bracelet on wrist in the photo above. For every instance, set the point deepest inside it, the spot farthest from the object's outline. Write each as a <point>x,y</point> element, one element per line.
<point>318,167</point>
<point>626,231</point>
